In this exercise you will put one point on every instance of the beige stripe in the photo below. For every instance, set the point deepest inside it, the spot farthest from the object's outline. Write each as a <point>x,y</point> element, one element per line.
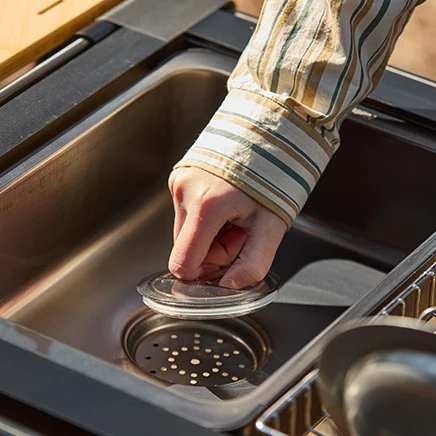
<point>241,65</point>
<point>232,164</point>
<point>392,40</point>
<point>272,140</point>
<point>352,68</point>
<point>319,65</point>
<point>278,31</point>
<point>286,112</point>
<point>303,64</point>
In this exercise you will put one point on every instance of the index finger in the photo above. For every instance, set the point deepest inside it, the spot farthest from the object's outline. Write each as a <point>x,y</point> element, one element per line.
<point>193,244</point>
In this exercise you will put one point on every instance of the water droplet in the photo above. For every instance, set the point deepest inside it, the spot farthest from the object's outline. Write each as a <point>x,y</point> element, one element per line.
<point>241,365</point>
<point>182,372</point>
<point>197,341</point>
<point>224,374</point>
<point>171,359</point>
<point>226,354</point>
<point>207,350</point>
<point>173,336</point>
<point>197,335</point>
<point>193,382</point>
<point>194,374</point>
<point>165,349</point>
<point>184,348</point>
<point>175,353</point>
<point>215,370</point>
<point>236,352</point>
<point>235,378</point>
<point>164,369</point>
<point>196,347</point>
<point>220,341</point>
<point>195,362</point>
<point>216,356</point>
<point>218,363</point>
<point>173,366</point>
<point>206,374</point>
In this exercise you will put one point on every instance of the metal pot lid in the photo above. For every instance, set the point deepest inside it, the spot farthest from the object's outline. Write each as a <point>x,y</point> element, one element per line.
<point>203,298</point>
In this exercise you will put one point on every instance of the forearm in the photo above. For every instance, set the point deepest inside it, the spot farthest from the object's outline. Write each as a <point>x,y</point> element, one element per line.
<point>307,65</point>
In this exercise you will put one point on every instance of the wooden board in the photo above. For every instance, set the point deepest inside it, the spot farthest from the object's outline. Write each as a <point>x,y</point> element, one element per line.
<point>30,29</point>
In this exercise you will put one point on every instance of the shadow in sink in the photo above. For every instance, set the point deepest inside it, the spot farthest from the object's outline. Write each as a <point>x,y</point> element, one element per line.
<point>89,215</point>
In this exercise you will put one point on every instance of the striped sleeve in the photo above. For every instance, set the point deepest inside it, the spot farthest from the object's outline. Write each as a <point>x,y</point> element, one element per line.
<point>308,63</point>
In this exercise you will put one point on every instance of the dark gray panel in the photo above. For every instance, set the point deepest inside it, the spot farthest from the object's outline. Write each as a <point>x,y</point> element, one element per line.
<point>225,30</point>
<point>161,19</point>
<point>65,91</point>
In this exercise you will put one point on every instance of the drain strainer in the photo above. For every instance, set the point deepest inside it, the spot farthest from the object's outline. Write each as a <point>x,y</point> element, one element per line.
<point>196,353</point>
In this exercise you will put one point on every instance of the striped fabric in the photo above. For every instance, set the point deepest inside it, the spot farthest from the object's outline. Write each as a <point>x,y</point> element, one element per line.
<point>308,63</point>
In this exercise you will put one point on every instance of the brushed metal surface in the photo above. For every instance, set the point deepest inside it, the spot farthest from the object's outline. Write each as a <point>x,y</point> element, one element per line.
<point>87,221</point>
<point>89,215</point>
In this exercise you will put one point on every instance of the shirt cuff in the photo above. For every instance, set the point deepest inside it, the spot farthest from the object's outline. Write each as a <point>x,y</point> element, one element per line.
<point>265,149</point>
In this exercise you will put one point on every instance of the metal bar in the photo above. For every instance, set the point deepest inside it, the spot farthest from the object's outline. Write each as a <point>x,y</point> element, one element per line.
<point>304,386</point>
<point>291,395</point>
<point>41,70</point>
<point>417,302</point>
<point>293,423</point>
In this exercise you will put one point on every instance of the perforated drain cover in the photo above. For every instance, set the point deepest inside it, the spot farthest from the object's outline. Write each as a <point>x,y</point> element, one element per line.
<point>196,353</point>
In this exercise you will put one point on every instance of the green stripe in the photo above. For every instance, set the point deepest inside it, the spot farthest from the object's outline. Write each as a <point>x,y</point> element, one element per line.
<point>261,152</point>
<point>345,70</point>
<point>250,170</point>
<point>314,38</point>
<point>294,33</point>
<point>365,35</point>
<point>278,136</point>
<point>262,54</point>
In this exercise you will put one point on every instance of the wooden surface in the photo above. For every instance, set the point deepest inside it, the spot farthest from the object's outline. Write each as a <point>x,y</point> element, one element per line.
<point>416,48</point>
<point>30,29</point>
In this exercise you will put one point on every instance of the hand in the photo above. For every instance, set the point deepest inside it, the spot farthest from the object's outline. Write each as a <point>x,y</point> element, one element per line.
<point>215,222</point>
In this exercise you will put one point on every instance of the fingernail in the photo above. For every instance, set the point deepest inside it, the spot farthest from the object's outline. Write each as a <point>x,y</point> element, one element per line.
<point>228,283</point>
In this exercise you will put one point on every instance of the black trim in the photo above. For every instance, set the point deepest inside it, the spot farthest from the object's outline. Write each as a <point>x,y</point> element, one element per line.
<point>72,91</point>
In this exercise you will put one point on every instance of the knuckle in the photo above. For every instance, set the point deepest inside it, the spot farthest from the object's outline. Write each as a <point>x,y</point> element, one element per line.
<point>177,193</point>
<point>208,201</point>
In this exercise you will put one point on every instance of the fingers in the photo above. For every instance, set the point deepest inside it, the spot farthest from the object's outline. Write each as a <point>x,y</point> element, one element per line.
<point>193,243</point>
<point>226,245</point>
<point>203,205</point>
<point>257,254</point>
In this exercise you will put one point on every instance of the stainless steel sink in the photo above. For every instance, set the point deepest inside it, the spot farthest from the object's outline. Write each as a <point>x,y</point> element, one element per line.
<point>87,216</point>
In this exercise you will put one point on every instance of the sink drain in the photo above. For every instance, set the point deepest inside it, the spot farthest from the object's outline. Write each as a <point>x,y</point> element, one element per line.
<point>196,353</point>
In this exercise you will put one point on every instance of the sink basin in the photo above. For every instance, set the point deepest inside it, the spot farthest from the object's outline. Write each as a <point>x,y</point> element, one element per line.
<point>89,215</point>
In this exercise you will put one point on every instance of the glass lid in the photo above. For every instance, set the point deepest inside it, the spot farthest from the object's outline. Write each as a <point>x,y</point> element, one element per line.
<point>203,298</point>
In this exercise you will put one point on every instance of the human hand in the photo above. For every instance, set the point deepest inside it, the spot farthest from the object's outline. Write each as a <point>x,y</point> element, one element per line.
<point>215,222</point>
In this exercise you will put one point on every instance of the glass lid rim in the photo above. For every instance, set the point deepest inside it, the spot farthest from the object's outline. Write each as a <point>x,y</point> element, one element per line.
<point>240,296</point>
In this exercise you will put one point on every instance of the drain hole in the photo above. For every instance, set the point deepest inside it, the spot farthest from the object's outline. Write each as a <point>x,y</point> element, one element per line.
<point>196,353</point>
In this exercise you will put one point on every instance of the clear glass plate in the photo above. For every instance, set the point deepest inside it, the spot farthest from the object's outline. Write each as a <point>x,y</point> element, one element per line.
<point>203,298</point>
